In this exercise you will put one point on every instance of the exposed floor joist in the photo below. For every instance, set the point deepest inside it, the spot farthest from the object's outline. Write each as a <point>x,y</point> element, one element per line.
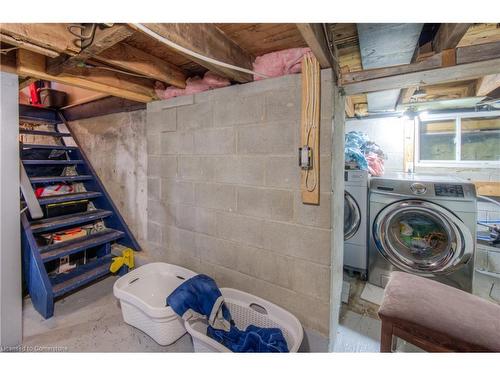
<point>27,45</point>
<point>487,84</point>
<point>449,35</point>
<point>207,40</point>
<point>396,77</point>
<point>446,39</point>
<point>132,59</point>
<point>33,65</point>
<point>102,40</point>
<point>463,55</point>
<point>315,37</point>
<point>50,36</point>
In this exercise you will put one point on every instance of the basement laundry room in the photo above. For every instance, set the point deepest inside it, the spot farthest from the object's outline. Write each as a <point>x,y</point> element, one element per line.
<point>250,187</point>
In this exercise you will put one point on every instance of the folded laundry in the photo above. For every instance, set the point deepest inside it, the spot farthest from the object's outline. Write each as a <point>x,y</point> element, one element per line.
<point>200,297</point>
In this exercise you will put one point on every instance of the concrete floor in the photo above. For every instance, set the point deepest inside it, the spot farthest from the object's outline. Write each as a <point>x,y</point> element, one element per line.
<point>359,325</point>
<point>90,321</point>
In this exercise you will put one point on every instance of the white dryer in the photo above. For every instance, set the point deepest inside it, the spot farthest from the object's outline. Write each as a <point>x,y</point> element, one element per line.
<point>425,225</point>
<point>356,222</point>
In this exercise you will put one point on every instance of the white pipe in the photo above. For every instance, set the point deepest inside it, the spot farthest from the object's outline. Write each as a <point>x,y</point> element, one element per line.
<point>192,53</point>
<point>488,199</point>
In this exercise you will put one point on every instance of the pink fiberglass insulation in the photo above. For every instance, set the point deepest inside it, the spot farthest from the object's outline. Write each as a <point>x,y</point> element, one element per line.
<point>275,64</point>
<point>194,85</point>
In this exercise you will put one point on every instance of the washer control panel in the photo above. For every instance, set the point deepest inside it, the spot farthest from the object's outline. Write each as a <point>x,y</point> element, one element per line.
<point>448,190</point>
<point>418,188</point>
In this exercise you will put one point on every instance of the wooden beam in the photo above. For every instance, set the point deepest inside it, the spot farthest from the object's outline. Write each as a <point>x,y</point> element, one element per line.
<point>8,63</point>
<point>464,55</point>
<point>26,82</point>
<point>349,107</point>
<point>432,62</point>
<point>449,35</point>
<point>315,38</point>
<point>487,84</point>
<point>207,40</point>
<point>396,78</point>
<point>34,65</point>
<point>29,46</point>
<point>50,36</point>
<point>406,94</point>
<point>101,107</point>
<point>103,39</point>
<point>134,60</point>
<point>478,52</point>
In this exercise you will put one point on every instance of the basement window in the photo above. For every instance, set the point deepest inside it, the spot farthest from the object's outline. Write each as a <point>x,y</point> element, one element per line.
<point>465,139</point>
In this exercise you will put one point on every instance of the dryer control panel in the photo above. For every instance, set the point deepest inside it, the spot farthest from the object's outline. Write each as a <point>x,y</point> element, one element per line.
<point>448,190</point>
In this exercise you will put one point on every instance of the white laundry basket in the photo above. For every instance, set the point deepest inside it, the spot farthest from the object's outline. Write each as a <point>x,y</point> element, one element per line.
<point>247,309</point>
<point>142,294</point>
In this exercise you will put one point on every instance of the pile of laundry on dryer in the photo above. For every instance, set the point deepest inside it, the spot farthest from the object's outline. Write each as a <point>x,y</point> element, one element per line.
<point>362,153</point>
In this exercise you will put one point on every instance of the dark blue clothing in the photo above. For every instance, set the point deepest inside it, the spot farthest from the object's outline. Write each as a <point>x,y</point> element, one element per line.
<point>251,340</point>
<point>200,297</point>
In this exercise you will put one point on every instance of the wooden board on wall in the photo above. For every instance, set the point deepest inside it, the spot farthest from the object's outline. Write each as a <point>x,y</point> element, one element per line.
<point>311,98</point>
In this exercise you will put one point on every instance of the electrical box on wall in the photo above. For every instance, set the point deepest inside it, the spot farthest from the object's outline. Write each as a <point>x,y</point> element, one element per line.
<point>305,157</point>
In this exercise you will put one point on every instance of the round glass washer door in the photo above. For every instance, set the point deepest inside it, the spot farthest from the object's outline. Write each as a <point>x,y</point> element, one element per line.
<point>352,216</point>
<point>422,237</point>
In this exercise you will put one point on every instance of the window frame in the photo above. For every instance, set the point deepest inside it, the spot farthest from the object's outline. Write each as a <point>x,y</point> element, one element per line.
<point>458,141</point>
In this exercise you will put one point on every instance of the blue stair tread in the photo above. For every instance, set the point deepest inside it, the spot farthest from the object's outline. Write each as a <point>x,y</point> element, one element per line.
<point>50,147</point>
<point>45,179</point>
<point>69,197</point>
<point>44,132</point>
<point>81,276</point>
<point>53,223</point>
<point>52,162</point>
<point>55,251</point>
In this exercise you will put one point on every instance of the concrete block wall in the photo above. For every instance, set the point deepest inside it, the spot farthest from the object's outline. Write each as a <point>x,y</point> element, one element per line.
<point>224,193</point>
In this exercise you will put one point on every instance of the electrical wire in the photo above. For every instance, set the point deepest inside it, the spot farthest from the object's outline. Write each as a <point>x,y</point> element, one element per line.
<point>115,70</point>
<point>196,55</point>
<point>5,51</point>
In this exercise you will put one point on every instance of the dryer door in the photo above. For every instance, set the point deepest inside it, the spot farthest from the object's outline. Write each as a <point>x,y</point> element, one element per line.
<point>352,216</point>
<point>422,237</point>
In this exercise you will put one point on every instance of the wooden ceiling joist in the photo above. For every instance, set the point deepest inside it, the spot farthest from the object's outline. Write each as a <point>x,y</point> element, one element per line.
<point>102,40</point>
<point>487,84</point>
<point>315,37</point>
<point>429,71</point>
<point>449,35</point>
<point>426,77</point>
<point>132,59</point>
<point>29,46</point>
<point>207,40</point>
<point>34,65</point>
<point>50,36</point>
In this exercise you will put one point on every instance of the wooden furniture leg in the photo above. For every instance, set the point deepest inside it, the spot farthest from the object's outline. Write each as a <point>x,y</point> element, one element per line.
<point>386,337</point>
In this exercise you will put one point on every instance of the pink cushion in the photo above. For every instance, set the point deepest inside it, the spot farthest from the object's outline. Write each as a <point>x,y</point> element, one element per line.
<point>442,309</point>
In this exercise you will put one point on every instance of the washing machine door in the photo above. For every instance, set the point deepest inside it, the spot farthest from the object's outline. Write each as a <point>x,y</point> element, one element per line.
<point>422,237</point>
<point>352,216</point>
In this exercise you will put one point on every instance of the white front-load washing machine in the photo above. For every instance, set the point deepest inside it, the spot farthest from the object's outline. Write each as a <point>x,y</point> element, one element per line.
<point>425,225</point>
<point>356,222</point>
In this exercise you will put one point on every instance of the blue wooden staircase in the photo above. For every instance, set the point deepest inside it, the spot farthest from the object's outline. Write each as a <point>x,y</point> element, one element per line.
<point>46,287</point>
